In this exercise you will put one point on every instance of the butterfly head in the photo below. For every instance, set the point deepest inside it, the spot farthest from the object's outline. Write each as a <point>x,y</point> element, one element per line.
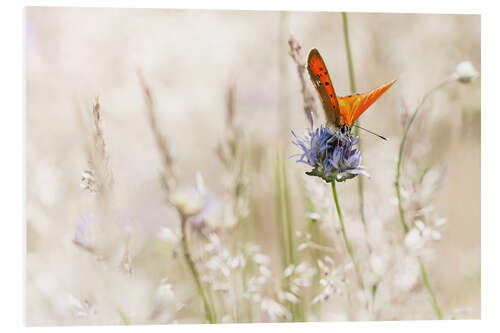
<point>345,129</point>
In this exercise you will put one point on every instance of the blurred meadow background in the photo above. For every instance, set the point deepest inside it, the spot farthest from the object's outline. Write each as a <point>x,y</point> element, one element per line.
<point>160,187</point>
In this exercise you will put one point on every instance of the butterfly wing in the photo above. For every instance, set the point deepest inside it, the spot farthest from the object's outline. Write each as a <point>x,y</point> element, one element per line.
<point>321,80</point>
<point>353,106</point>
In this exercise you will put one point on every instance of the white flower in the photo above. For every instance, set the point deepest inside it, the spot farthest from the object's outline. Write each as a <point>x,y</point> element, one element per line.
<point>407,273</point>
<point>314,216</point>
<point>413,239</point>
<point>329,280</point>
<point>466,72</point>
<point>235,262</point>
<point>426,233</point>
<point>329,260</point>
<point>301,267</point>
<point>302,246</point>
<point>322,266</point>
<point>436,235</point>
<point>318,298</point>
<point>261,280</point>
<point>167,235</point>
<point>291,298</point>
<point>348,266</point>
<point>188,202</point>
<point>214,242</point>
<point>261,259</point>
<point>165,295</point>
<point>289,270</point>
<point>265,271</point>
<point>274,310</point>
<point>420,225</point>
<point>378,264</point>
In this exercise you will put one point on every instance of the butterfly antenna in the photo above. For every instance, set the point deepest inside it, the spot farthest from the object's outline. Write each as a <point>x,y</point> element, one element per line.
<point>364,129</point>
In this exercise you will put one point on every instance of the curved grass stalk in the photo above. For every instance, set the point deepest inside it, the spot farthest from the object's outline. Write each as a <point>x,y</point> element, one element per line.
<point>423,272</point>
<point>402,146</point>
<point>427,284</point>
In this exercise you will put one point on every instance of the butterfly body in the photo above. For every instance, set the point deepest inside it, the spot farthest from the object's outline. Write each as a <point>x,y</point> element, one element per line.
<point>341,112</point>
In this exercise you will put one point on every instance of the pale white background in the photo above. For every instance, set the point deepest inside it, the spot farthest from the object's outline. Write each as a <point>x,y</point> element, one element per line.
<point>13,153</point>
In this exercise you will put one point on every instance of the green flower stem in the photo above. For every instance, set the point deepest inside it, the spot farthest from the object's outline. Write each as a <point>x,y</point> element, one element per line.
<point>397,184</point>
<point>209,309</point>
<point>346,239</point>
<point>427,284</point>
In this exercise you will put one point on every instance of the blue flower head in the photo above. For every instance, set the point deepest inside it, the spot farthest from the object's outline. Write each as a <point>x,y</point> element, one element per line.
<point>332,155</point>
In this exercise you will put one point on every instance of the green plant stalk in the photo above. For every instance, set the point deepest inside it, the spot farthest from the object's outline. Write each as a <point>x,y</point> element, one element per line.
<point>249,234</point>
<point>346,239</point>
<point>401,150</point>
<point>425,278</point>
<point>397,184</point>
<point>285,221</point>
<point>280,216</point>
<point>352,82</point>
<point>288,215</point>
<point>209,309</point>
<point>298,307</point>
<point>349,54</point>
<point>279,211</point>
<point>284,101</point>
<point>126,320</point>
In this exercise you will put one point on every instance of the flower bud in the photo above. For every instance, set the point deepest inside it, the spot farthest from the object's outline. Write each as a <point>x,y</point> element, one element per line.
<point>466,72</point>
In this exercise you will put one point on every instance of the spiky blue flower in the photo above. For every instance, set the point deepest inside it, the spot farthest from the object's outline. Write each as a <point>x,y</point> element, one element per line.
<point>332,155</point>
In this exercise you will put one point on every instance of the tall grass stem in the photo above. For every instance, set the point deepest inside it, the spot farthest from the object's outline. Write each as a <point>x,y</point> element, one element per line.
<point>279,211</point>
<point>347,42</point>
<point>209,310</point>
<point>352,83</point>
<point>286,226</point>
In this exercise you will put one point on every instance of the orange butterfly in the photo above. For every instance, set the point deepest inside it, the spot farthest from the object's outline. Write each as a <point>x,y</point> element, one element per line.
<point>340,111</point>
